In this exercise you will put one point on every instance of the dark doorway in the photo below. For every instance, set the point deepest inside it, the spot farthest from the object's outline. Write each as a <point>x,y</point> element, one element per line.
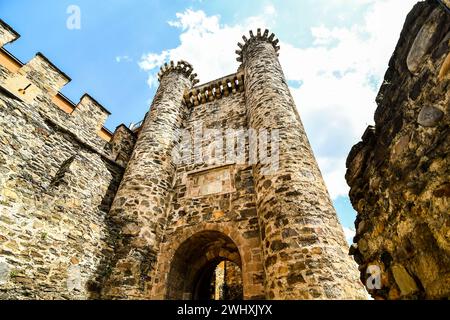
<point>219,281</point>
<point>207,266</point>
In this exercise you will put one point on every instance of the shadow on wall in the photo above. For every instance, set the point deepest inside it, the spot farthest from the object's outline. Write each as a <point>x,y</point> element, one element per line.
<point>95,284</point>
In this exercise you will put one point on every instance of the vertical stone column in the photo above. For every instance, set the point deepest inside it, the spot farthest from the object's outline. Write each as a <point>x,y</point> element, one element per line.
<point>140,205</point>
<point>305,252</point>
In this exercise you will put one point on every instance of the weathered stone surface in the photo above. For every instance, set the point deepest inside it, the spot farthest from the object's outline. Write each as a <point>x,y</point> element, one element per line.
<point>303,204</point>
<point>57,182</point>
<point>447,3</point>
<point>5,270</point>
<point>399,174</point>
<point>445,69</point>
<point>7,34</point>
<point>430,116</point>
<point>404,281</point>
<point>423,41</point>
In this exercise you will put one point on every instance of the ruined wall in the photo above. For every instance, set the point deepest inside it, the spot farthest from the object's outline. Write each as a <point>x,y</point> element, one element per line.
<point>57,181</point>
<point>400,173</point>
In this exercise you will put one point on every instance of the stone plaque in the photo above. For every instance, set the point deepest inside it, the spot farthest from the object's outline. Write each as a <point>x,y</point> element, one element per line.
<point>213,181</point>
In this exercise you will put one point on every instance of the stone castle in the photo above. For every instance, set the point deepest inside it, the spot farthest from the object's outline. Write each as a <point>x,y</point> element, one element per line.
<point>170,209</point>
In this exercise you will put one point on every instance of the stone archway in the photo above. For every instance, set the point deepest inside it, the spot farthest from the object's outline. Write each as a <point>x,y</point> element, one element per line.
<point>189,257</point>
<point>194,263</point>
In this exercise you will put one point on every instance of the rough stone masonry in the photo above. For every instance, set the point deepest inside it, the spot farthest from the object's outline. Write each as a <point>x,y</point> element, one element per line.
<point>138,214</point>
<point>400,172</point>
<point>59,171</point>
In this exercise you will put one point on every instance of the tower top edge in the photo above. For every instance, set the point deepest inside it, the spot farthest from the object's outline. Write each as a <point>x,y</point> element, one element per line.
<point>253,38</point>
<point>181,67</point>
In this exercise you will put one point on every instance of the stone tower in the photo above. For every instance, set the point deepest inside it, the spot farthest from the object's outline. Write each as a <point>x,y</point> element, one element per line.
<point>141,203</point>
<point>185,204</point>
<point>305,252</point>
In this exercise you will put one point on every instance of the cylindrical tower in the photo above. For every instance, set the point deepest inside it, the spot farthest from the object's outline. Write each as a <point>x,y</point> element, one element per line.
<point>139,208</point>
<point>305,251</point>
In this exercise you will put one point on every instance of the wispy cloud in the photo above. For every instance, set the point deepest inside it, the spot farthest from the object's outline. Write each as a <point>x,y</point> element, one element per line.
<point>334,81</point>
<point>205,43</point>
<point>349,234</point>
<point>125,58</point>
<point>341,73</point>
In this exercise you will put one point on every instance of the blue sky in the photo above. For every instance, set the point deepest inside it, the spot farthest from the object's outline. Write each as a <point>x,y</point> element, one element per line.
<point>334,54</point>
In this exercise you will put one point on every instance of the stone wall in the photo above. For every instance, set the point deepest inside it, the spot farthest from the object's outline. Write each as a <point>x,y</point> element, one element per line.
<point>57,182</point>
<point>399,173</point>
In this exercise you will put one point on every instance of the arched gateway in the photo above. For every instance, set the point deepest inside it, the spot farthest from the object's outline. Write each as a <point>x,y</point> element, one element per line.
<point>192,273</point>
<point>209,262</point>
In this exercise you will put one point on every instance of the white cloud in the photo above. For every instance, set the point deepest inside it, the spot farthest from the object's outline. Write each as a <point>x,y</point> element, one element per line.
<point>349,234</point>
<point>333,169</point>
<point>270,10</point>
<point>152,60</point>
<point>340,72</point>
<point>119,59</point>
<point>206,44</point>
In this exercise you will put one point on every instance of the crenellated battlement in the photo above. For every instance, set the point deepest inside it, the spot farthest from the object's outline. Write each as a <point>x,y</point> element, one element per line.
<point>36,86</point>
<point>181,67</point>
<point>40,79</point>
<point>44,74</point>
<point>259,37</point>
<point>7,34</point>
<point>214,90</point>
